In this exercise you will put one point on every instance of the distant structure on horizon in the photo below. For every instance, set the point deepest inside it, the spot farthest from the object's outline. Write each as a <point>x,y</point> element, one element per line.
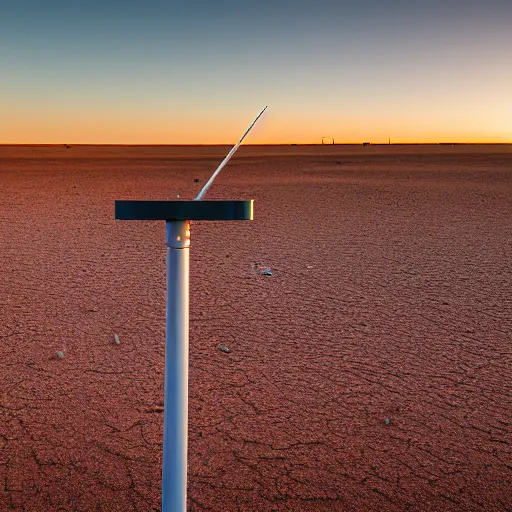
<point>327,140</point>
<point>366,143</point>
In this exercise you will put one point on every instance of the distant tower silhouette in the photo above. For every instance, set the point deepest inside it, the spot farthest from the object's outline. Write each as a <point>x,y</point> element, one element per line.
<point>389,142</point>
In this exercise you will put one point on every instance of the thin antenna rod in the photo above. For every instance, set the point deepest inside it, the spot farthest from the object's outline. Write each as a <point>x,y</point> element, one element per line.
<point>226,160</point>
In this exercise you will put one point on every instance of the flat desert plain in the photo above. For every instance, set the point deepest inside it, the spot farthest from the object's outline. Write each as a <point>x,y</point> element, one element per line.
<point>370,372</point>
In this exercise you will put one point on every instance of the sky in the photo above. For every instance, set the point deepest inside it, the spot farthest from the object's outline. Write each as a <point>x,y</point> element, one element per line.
<point>198,72</point>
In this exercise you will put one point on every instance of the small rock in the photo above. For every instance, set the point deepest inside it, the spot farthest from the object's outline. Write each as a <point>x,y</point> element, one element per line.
<point>60,354</point>
<point>223,348</point>
<point>116,339</point>
<point>196,180</point>
<point>387,421</point>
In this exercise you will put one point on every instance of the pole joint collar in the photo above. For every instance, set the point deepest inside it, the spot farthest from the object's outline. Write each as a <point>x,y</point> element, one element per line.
<point>177,234</point>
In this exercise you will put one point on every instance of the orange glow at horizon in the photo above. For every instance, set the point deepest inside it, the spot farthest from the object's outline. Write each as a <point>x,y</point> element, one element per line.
<point>271,131</point>
<point>281,125</point>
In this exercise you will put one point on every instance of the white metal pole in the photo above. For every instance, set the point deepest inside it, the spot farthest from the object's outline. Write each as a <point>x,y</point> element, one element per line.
<point>174,467</point>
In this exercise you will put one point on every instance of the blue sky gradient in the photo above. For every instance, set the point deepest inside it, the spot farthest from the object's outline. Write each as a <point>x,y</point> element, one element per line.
<point>154,72</point>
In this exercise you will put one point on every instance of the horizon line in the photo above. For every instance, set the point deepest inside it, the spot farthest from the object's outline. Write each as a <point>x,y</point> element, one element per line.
<point>29,144</point>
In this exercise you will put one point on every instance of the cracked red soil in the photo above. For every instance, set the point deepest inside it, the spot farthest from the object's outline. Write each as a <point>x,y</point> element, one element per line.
<point>390,298</point>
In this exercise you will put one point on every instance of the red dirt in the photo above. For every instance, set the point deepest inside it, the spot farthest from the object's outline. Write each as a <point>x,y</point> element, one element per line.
<point>390,298</point>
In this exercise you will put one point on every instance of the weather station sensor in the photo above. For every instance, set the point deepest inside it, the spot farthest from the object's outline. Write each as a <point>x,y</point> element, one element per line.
<point>177,216</point>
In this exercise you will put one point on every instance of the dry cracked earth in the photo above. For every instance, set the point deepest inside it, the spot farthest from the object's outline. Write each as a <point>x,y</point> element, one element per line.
<point>370,372</point>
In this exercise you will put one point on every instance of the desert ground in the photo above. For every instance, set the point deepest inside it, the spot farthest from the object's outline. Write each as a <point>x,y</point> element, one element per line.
<point>370,372</point>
